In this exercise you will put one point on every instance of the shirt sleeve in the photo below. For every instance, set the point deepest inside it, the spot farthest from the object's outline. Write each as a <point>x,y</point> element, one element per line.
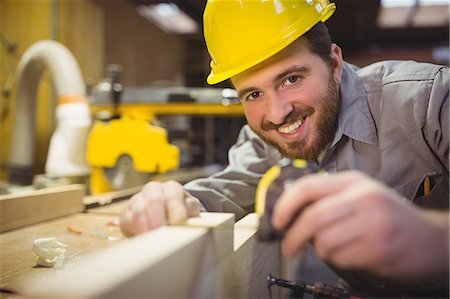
<point>436,129</point>
<point>233,189</point>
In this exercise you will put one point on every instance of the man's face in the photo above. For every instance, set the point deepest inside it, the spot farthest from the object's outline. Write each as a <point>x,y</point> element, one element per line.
<point>292,100</point>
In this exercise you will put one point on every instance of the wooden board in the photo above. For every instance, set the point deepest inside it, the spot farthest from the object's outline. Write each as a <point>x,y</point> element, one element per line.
<point>244,273</point>
<point>111,209</point>
<point>181,175</point>
<point>17,261</point>
<point>18,210</point>
<point>199,259</point>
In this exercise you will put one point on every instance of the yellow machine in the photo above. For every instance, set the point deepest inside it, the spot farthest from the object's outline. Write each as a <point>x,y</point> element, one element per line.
<point>124,148</point>
<point>124,152</point>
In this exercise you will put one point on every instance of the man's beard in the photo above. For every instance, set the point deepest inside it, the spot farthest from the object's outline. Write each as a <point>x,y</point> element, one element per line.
<point>327,116</point>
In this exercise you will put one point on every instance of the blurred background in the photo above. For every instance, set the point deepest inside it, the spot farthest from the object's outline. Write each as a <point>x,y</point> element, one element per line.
<point>155,54</point>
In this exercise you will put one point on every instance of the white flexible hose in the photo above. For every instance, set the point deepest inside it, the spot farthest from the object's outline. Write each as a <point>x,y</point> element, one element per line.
<point>66,155</point>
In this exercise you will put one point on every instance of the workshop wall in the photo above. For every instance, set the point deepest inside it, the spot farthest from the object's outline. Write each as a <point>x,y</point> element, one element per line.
<point>21,24</point>
<point>98,33</point>
<point>77,25</point>
<point>145,52</point>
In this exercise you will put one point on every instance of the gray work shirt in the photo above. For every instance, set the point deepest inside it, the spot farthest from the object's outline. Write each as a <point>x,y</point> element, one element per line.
<point>393,125</point>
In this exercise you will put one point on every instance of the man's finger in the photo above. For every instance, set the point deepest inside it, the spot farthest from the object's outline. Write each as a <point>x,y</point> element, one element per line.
<point>317,217</point>
<point>307,190</point>
<point>193,206</point>
<point>174,197</point>
<point>133,220</point>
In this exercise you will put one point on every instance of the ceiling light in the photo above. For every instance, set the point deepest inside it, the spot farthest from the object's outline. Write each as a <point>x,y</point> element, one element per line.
<point>397,3</point>
<point>169,17</point>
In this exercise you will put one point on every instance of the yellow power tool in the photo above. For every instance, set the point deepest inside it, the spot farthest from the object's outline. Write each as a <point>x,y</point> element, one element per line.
<point>271,186</point>
<point>126,151</point>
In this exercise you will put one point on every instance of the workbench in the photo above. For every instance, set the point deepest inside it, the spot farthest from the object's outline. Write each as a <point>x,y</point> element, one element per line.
<point>208,256</point>
<point>17,261</point>
<point>85,232</point>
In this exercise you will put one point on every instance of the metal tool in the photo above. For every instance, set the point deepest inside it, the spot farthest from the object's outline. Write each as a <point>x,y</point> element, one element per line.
<point>318,289</point>
<point>271,186</point>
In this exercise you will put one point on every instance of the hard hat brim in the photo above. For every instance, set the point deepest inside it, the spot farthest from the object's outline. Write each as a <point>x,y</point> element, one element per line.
<point>217,77</point>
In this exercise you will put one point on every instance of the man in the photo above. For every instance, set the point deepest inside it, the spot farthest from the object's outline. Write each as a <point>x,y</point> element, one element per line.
<point>380,216</point>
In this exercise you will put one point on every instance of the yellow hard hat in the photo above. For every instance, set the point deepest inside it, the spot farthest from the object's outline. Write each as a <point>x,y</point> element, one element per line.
<point>241,33</point>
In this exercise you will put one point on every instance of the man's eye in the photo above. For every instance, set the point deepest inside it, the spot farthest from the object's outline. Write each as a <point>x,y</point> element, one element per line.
<point>292,80</point>
<point>253,96</point>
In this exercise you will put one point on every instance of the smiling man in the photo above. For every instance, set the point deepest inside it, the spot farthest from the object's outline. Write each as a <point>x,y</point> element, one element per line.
<point>291,100</point>
<point>380,218</point>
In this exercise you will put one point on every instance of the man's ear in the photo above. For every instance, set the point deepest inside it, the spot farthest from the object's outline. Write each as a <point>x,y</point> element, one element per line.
<point>337,62</point>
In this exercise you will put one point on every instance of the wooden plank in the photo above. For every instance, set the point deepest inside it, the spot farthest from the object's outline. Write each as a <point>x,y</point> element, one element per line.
<point>270,252</point>
<point>244,274</point>
<point>110,197</point>
<point>145,263</point>
<point>110,209</point>
<point>180,175</point>
<point>17,262</point>
<point>18,210</point>
<point>172,262</point>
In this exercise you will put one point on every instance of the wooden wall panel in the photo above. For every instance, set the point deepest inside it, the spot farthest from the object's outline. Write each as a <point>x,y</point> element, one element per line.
<point>22,24</point>
<point>81,28</point>
<point>146,53</point>
<point>76,24</point>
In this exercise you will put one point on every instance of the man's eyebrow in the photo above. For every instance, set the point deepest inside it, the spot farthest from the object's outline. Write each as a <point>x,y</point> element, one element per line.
<point>293,69</point>
<point>280,76</point>
<point>245,90</point>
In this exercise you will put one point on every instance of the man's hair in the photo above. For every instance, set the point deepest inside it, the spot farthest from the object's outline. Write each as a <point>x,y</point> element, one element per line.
<point>319,41</point>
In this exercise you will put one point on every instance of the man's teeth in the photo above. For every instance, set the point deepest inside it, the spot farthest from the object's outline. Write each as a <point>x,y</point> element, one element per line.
<point>291,128</point>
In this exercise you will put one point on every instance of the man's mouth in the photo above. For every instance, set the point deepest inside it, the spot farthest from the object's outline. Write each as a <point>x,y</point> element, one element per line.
<point>291,128</point>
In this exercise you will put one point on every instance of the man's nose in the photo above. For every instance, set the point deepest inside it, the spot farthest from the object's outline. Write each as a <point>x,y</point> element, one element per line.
<point>277,108</point>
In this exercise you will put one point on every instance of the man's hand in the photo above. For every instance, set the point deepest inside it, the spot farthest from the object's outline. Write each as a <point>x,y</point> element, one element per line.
<point>155,205</point>
<point>355,222</point>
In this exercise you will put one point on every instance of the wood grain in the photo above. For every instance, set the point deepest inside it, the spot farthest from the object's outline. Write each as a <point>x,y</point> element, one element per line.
<point>18,210</point>
<point>112,209</point>
<point>197,259</point>
<point>17,261</point>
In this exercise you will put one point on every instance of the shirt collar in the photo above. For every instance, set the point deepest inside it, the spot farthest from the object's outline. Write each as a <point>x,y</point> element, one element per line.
<point>355,119</point>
